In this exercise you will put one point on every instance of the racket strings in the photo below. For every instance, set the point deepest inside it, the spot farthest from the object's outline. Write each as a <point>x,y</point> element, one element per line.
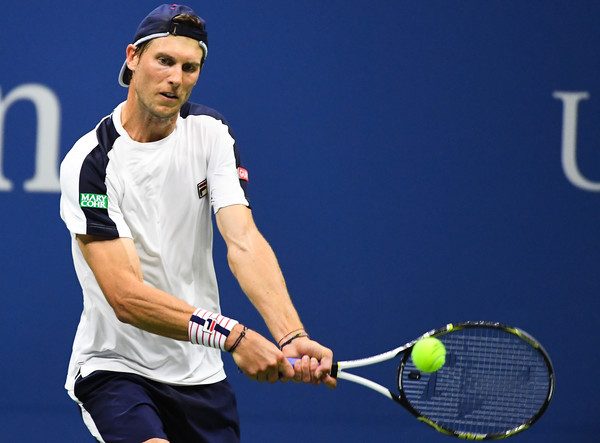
<point>492,382</point>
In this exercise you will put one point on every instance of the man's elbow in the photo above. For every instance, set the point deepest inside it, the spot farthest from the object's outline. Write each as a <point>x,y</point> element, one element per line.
<point>240,245</point>
<point>122,302</point>
<point>235,256</point>
<point>123,313</point>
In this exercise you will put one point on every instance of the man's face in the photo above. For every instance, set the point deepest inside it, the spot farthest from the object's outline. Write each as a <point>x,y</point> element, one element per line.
<point>165,74</point>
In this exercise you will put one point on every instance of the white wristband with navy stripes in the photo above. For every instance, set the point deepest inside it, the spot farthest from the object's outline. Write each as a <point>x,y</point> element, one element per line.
<point>209,328</point>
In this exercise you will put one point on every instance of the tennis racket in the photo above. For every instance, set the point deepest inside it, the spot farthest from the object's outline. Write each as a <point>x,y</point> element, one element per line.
<point>497,381</point>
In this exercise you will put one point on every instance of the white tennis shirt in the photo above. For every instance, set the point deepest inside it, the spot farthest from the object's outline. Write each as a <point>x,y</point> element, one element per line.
<point>160,194</point>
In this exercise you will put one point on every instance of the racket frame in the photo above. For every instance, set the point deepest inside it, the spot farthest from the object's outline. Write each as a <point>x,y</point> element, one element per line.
<point>339,368</point>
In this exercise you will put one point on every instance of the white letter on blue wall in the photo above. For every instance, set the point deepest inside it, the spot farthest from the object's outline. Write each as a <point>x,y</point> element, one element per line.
<point>47,109</point>
<point>569,139</point>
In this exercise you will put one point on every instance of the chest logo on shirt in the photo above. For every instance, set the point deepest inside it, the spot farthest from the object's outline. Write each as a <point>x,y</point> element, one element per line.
<point>202,189</point>
<point>93,201</point>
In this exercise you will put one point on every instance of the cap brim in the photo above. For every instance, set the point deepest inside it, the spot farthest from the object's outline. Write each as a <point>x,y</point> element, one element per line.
<point>124,71</point>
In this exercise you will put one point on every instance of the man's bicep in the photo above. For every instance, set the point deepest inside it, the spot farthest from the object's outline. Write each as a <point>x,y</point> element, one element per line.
<point>234,223</point>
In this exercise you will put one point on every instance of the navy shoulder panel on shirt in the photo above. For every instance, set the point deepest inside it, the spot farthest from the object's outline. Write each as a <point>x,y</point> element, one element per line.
<point>190,108</point>
<point>92,180</point>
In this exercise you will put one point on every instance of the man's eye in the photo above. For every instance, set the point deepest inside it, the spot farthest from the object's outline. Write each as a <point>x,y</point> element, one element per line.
<point>189,68</point>
<point>164,61</point>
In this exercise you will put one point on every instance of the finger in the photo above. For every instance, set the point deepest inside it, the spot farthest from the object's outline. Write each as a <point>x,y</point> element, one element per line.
<point>329,381</point>
<point>286,370</point>
<point>314,364</point>
<point>282,377</point>
<point>298,370</point>
<point>273,376</point>
<point>306,369</point>
<point>260,377</point>
<point>325,363</point>
<point>324,366</point>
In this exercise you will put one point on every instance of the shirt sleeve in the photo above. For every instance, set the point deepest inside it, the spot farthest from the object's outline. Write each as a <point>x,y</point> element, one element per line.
<point>89,201</point>
<point>226,178</point>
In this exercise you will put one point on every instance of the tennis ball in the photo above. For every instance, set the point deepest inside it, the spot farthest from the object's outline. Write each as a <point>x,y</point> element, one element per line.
<point>428,354</point>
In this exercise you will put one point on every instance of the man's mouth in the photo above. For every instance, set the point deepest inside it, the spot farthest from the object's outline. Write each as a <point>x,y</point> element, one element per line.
<point>169,95</point>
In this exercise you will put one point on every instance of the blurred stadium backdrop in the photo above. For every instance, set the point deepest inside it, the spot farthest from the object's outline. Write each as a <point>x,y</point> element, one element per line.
<point>412,163</point>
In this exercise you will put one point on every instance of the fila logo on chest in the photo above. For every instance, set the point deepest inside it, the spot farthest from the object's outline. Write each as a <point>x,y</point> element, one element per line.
<point>202,189</point>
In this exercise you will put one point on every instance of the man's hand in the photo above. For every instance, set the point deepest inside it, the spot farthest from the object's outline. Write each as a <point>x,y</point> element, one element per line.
<point>258,358</point>
<point>314,361</point>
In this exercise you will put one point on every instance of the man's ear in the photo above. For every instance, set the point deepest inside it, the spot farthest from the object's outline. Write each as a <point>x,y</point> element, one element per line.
<point>131,58</point>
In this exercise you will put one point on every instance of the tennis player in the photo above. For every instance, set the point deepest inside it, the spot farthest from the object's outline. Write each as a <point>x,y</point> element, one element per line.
<point>137,194</point>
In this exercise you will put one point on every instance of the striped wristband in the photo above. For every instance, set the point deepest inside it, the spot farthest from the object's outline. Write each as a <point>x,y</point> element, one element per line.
<point>209,328</point>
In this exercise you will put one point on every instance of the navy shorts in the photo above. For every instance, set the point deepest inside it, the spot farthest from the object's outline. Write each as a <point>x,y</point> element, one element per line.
<point>128,408</point>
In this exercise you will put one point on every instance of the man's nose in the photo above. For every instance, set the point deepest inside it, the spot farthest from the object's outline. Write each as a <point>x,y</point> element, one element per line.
<point>175,75</point>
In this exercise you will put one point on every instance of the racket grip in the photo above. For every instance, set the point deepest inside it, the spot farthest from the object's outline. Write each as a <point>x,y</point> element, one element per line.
<point>334,366</point>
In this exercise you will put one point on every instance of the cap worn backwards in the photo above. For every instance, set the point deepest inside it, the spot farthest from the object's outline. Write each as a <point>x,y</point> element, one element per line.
<point>163,22</point>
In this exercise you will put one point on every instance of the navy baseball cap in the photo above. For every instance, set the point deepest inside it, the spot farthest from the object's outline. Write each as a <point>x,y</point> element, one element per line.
<point>163,22</point>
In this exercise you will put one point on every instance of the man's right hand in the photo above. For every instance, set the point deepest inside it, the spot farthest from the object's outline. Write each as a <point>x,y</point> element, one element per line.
<point>258,358</point>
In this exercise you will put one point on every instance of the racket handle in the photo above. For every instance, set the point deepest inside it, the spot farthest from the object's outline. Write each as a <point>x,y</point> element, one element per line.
<point>334,366</point>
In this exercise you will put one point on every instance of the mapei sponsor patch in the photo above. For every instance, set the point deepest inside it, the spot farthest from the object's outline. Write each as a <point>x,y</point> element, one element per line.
<point>93,200</point>
<point>202,189</point>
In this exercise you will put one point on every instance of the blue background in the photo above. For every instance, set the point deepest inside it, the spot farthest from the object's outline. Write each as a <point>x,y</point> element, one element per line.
<point>405,165</point>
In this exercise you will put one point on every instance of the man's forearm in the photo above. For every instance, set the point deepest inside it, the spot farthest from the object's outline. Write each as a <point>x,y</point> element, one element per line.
<point>256,268</point>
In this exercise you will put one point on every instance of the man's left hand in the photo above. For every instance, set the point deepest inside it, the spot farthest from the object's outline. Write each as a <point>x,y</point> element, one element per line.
<point>314,361</point>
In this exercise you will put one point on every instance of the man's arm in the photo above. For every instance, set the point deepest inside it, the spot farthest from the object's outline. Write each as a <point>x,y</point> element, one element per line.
<point>116,266</point>
<point>255,266</point>
<point>117,269</point>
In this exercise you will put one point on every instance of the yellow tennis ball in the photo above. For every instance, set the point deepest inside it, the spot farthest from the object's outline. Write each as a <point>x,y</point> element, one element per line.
<point>428,354</point>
